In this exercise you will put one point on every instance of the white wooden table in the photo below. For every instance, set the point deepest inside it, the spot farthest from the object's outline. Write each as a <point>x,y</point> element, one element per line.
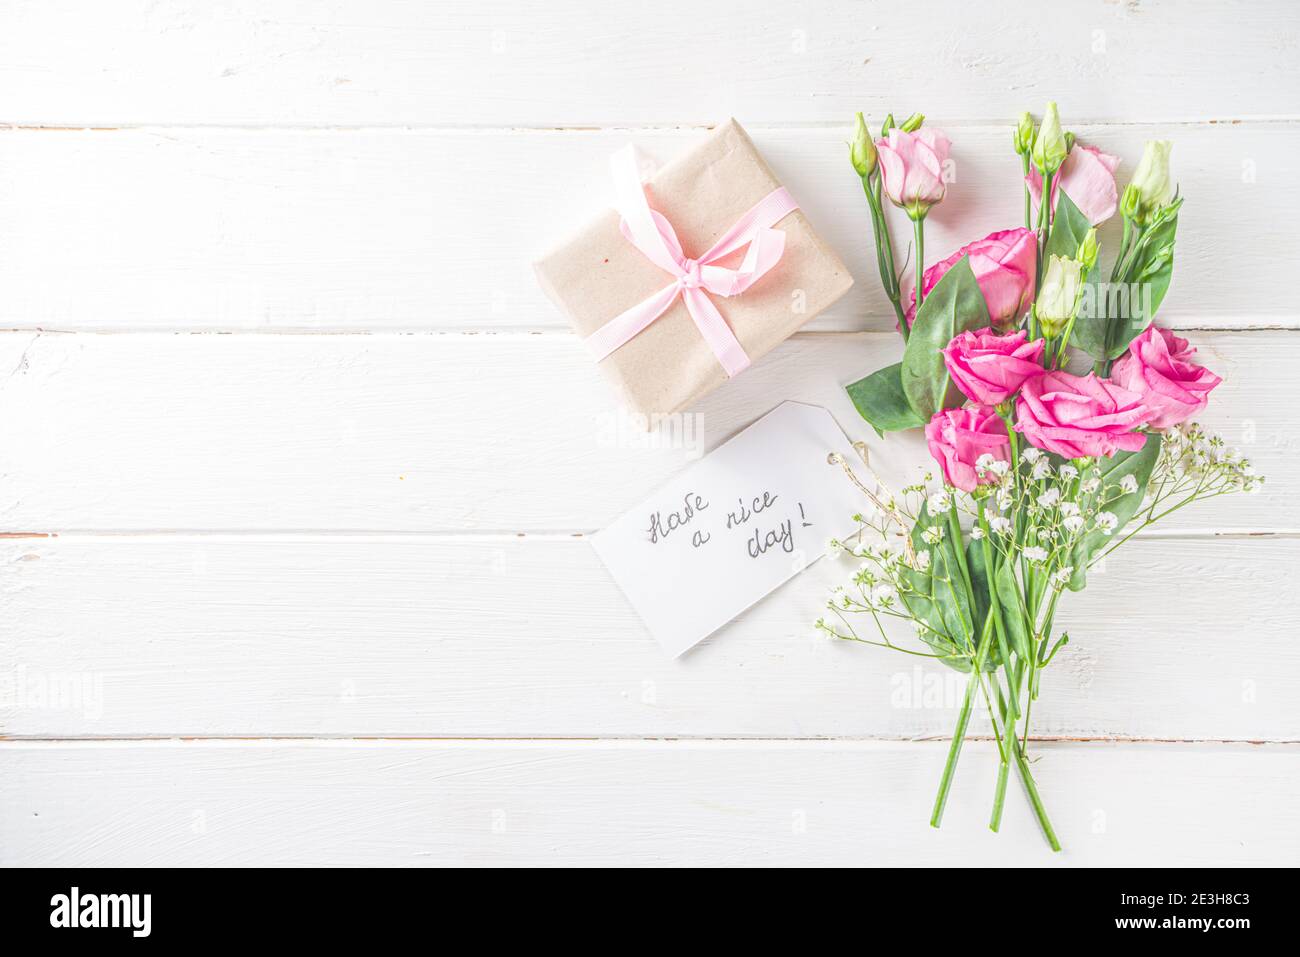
<point>297,466</point>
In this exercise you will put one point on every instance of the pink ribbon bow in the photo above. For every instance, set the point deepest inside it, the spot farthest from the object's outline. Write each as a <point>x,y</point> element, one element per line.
<point>651,233</point>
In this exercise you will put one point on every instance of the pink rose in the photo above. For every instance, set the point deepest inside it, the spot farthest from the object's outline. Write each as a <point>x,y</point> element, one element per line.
<point>1158,366</point>
<point>1076,416</point>
<point>989,368</point>
<point>1088,178</point>
<point>911,167</point>
<point>1003,264</point>
<point>958,437</point>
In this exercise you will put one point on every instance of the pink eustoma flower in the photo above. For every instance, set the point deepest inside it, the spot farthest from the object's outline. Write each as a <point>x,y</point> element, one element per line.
<point>1088,178</point>
<point>958,437</point>
<point>1077,416</point>
<point>911,167</point>
<point>1003,263</point>
<point>989,368</point>
<point>1158,366</point>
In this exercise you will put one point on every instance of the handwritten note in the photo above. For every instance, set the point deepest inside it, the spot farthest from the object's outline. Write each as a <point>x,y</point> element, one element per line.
<point>733,526</point>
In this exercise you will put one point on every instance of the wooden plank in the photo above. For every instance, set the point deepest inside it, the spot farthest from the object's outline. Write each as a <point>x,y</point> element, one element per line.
<point>633,803</point>
<point>521,637</point>
<point>511,63</point>
<point>453,432</point>
<point>399,230</point>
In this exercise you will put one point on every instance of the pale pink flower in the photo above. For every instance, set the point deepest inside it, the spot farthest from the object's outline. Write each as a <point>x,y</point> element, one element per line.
<point>1003,263</point>
<point>911,168</point>
<point>1088,178</point>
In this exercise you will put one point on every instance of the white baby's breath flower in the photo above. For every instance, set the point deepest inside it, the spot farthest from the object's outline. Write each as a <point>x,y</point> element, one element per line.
<point>1042,469</point>
<point>883,595</point>
<point>834,547</point>
<point>1000,467</point>
<point>1061,577</point>
<point>1000,524</point>
<point>1049,498</point>
<point>1128,484</point>
<point>939,502</point>
<point>1069,472</point>
<point>1005,499</point>
<point>984,463</point>
<point>1069,508</point>
<point>977,532</point>
<point>1031,455</point>
<point>1073,524</point>
<point>1091,485</point>
<point>1106,522</point>
<point>933,535</point>
<point>1035,553</point>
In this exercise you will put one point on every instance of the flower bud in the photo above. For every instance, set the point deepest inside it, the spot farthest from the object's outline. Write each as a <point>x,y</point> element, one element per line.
<point>1059,295</point>
<point>862,152</point>
<point>1023,137</point>
<point>1050,148</point>
<point>1151,181</point>
<point>1087,254</point>
<point>1128,204</point>
<point>913,123</point>
<point>912,169</point>
<point>888,125</point>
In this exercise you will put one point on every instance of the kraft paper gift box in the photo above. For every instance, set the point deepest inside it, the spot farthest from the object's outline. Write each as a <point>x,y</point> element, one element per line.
<point>669,365</point>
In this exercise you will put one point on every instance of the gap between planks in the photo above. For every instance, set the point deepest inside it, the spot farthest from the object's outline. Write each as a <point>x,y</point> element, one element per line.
<point>472,129</point>
<point>703,742</point>
<point>1264,323</point>
<point>489,535</point>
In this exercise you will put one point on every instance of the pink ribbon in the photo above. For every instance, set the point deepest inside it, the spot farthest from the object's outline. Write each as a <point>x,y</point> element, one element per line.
<point>653,235</point>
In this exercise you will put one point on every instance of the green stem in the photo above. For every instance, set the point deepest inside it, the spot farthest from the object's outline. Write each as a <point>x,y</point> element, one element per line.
<point>1031,790</point>
<point>1013,676</point>
<point>1008,744</point>
<point>919,231</point>
<point>1029,206</point>
<point>954,529</point>
<point>884,253</point>
<point>1037,802</point>
<point>1044,226</point>
<point>1128,253</point>
<point>959,732</point>
<point>1123,249</point>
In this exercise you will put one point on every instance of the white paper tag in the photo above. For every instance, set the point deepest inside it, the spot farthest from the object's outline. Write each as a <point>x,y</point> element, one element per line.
<point>733,526</point>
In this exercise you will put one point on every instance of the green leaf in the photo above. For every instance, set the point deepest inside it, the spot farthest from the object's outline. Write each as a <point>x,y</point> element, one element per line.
<point>946,611</point>
<point>1139,464</point>
<point>1008,597</point>
<point>949,593</point>
<point>1009,604</point>
<point>1069,226</point>
<point>954,305</point>
<point>1152,269</point>
<point>880,400</point>
<point>1124,309</point>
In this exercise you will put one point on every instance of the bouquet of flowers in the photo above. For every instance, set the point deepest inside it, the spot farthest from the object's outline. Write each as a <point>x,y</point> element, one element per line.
<point>1059,415</point>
